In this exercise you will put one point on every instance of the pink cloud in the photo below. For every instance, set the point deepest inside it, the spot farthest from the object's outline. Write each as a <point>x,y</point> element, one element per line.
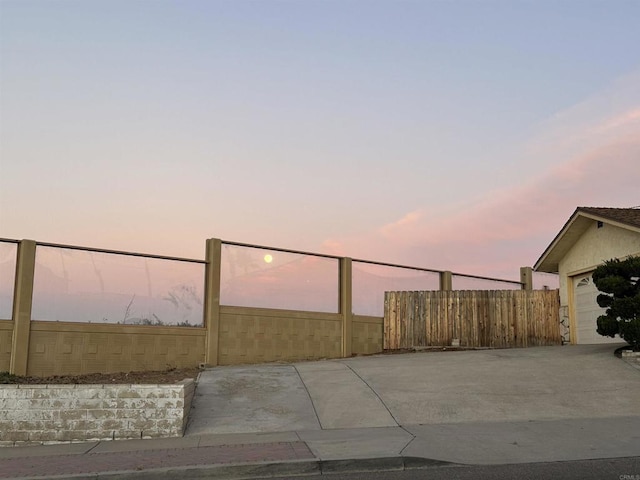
<point>623,120</point>
<point>509,227</point>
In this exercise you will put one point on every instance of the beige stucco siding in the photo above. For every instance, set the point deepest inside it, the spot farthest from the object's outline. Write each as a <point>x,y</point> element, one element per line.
<point>594,247</point>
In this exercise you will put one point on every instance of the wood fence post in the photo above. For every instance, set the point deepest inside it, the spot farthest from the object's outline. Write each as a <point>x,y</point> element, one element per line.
<point>22,301</point>
<point>346,305</point>
<point>212,300</point>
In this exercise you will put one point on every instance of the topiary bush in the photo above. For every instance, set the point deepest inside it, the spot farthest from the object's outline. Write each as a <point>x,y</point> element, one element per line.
<point>619,280</point>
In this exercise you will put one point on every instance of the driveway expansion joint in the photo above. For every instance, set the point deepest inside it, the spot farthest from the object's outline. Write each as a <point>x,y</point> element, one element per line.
<point>413,437</point>
<point>313,405</point>
<point>374,392</point>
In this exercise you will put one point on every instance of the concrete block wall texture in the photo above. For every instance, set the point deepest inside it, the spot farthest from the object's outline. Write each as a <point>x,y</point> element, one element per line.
<point>630,353</point>
<point>247,335</point>
<point>261,335</point>
<point>77,348</point>
<point>631,356</point>
<point>367,335</point>
<point>31,414</point>
<point>6,332</point>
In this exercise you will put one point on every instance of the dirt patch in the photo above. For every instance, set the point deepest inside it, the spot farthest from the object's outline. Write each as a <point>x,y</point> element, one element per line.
<point>169,376</point>
<point>158,377</point>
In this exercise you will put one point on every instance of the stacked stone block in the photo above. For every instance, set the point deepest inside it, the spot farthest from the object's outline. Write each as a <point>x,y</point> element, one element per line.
<point>77,413</point>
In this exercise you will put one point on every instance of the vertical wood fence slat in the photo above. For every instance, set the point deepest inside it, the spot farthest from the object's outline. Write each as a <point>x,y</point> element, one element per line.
<point>517,322</point>
<point>427,318</point>
<point>472,314</point>
<point>397,323</point>
<point>507,332</point>
<point>479,318</point>
<point>462,319</point>
<point>403,320</point>
<point>447,326</point>
<point>386,334</point>
<point>421,333</point>
<point>434,321</point>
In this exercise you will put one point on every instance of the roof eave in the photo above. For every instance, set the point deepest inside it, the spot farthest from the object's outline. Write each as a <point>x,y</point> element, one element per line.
<point>549,260</point>
<point>543,264</point>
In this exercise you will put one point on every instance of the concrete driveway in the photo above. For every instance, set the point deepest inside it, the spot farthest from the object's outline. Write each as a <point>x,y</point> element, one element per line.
<point>384,412</point>
<point>423,388</point>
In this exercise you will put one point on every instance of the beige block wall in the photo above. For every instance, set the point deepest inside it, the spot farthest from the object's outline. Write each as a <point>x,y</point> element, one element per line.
<point>594,247</point>
<point>6,332</point>
<point>247,335</point>
<point>367,335</point>
<point>253,335</point>
<point>57,348</point>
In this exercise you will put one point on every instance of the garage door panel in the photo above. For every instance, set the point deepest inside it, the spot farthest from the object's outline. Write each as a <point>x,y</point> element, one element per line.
<point>587,312</point>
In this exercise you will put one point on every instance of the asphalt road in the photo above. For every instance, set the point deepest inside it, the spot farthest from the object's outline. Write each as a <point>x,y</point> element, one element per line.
<point>604,469</point>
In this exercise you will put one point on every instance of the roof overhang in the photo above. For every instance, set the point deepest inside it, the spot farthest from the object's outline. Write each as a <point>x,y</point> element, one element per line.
<point>570,233</point>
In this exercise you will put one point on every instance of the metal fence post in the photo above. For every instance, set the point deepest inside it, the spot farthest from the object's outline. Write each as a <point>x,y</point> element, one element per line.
<point>22,301</point>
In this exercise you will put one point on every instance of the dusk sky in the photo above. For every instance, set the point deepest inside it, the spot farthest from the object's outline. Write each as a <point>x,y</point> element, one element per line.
<point>455,135</point>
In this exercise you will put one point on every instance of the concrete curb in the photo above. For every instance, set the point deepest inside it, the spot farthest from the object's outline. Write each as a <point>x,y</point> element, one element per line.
<point>261,470</point>
<point>378,464</point>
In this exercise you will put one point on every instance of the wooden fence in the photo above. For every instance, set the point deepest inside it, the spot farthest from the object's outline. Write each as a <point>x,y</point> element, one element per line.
<point>478,318</point>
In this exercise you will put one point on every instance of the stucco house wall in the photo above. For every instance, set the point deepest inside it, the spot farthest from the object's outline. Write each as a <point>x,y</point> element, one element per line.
<point>594,247</point>
<point>591,236</point>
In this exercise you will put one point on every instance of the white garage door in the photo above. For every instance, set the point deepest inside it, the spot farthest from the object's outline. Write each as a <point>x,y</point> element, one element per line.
<point>588,311</point>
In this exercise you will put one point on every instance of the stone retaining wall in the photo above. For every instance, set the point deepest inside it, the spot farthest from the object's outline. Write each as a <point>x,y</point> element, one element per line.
<point>632,358</point>
<point>77,413</point>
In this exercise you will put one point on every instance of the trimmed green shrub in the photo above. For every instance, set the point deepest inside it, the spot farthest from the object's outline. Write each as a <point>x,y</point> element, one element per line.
<point>619,280</point>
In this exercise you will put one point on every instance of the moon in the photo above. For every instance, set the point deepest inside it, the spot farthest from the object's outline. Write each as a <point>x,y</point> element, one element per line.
<point>268,258</point>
